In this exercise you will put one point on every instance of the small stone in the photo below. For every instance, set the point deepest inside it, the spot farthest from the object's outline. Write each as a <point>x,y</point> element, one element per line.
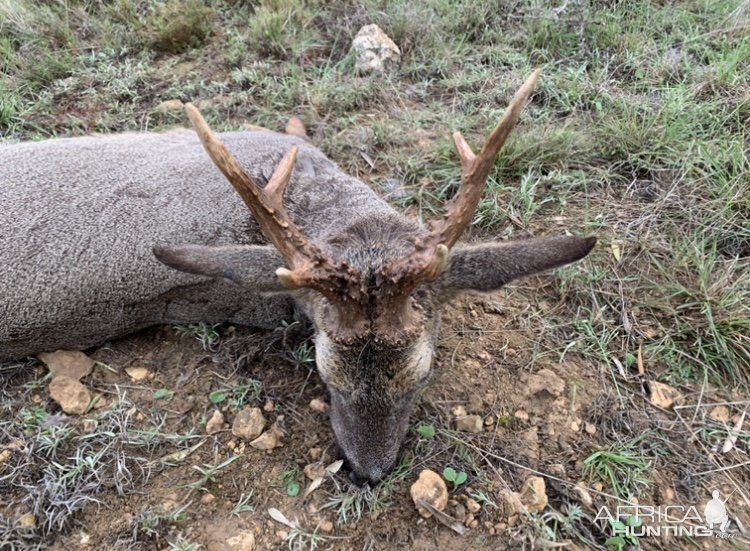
<point>473,524</point>
<point>459,411</point>
<point>575,426</point>
<point>510,503</point>
<point>295,127</point>
<point>598,486</point>
<point>248,424</point>
<point>216,423</point>
<point>207,498</point>
<point>314,471</point>
<point>590,428</point>
<point>27,521</point>
<point>138,373</point>
<point>430,488</point>
<point>89,425</point>
<point>67,363</point>
<point>472,505</point>
<point>545,381</point>
<point>85,538</point>
<point>460,512</point>
<point>583,494</point>
<point>469,519</point>
<point>557,469</point>
<point>663,395</point>
<point>270,439</point>
<point>326,526</point>
<point>282,535</point>
<point>521,415</point>
<point>374,50</point>
<point>534,494</point>
<point>244,541</point>
<point>73,397</point>
<point>315,453</point>
<point>4,456</point>
<point>528,441</point>
<point>232,444</point>
<point>667,494</point>
<point>269,406</point>
<point>169,105</point>
<point>470,423</point>
<point>319,406</point>
<point>720,414</point>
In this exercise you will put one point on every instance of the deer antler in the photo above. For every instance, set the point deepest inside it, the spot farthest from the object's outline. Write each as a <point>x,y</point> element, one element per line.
<point>430,254</point>
<point>310,266</point>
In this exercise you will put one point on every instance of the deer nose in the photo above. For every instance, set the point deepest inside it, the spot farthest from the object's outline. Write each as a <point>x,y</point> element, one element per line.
<point>371,477</point>
<point>361,476</point>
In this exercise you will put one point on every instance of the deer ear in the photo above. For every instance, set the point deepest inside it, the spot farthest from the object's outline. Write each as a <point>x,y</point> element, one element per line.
<point>251,266</point>
<point>489,266</point>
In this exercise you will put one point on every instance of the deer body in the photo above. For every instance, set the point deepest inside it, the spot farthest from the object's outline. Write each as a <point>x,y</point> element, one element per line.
<point>79,218</point>
<point>89,218</point>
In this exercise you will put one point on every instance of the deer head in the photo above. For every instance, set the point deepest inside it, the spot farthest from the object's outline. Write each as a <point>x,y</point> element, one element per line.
<point>375,300</point>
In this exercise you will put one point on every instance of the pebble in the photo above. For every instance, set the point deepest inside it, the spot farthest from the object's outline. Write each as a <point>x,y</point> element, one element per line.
<point>470,423</point>
<point>207,498</point>
<point>430,488</point>
<point>314,471</point>
<point>138,373</point>
<point>534,494</point>
<point>67,363</point>
<point>590,428</point>
<point>73,397</point>
<point>545,381</point>
<point>472,505</point>
<point>319,406</point>
<point>315,453</point>
<point>244,541</point>
<point>326,526</point>
<point>720,414</point>
<point>374,50</point>
<point>583,494</point>
<point>216,423</point>
<point>459,411</point>
<point>270,439</point>
<point>521,415</point>
<point>27,521</point>
<point>169,105</point>
<point>249,424</point>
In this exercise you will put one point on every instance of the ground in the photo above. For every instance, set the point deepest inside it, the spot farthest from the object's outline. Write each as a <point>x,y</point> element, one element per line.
<point>637,133</point>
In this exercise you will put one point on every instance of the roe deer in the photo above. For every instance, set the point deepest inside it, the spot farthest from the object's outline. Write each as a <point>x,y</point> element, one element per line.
<point>81,216</point>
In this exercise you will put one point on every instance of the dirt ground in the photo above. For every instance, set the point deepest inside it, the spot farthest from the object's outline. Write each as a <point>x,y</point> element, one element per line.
<point>486,363</point>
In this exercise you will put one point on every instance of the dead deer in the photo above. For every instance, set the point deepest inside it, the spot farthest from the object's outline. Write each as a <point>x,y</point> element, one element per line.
<point>80,218</point>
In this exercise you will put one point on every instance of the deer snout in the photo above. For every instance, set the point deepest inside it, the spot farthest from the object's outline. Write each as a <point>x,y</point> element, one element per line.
<point>368,436</point>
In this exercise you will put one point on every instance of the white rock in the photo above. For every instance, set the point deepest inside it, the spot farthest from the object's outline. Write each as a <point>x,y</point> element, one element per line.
<point>216,423</point>
<point>374,50</point>
<point>73,397</point>
<point>470,423</point>
<point>430,488</point>
<point>67,363</point>
<point>248,424</point>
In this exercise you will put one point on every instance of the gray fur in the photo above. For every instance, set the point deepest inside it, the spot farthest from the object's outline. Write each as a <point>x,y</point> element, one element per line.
<point>80,219</point>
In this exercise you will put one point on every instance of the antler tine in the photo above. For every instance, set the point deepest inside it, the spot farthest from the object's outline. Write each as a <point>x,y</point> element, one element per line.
<point>310,267</point>
<point>431,252</point>
<point>476,169</point>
